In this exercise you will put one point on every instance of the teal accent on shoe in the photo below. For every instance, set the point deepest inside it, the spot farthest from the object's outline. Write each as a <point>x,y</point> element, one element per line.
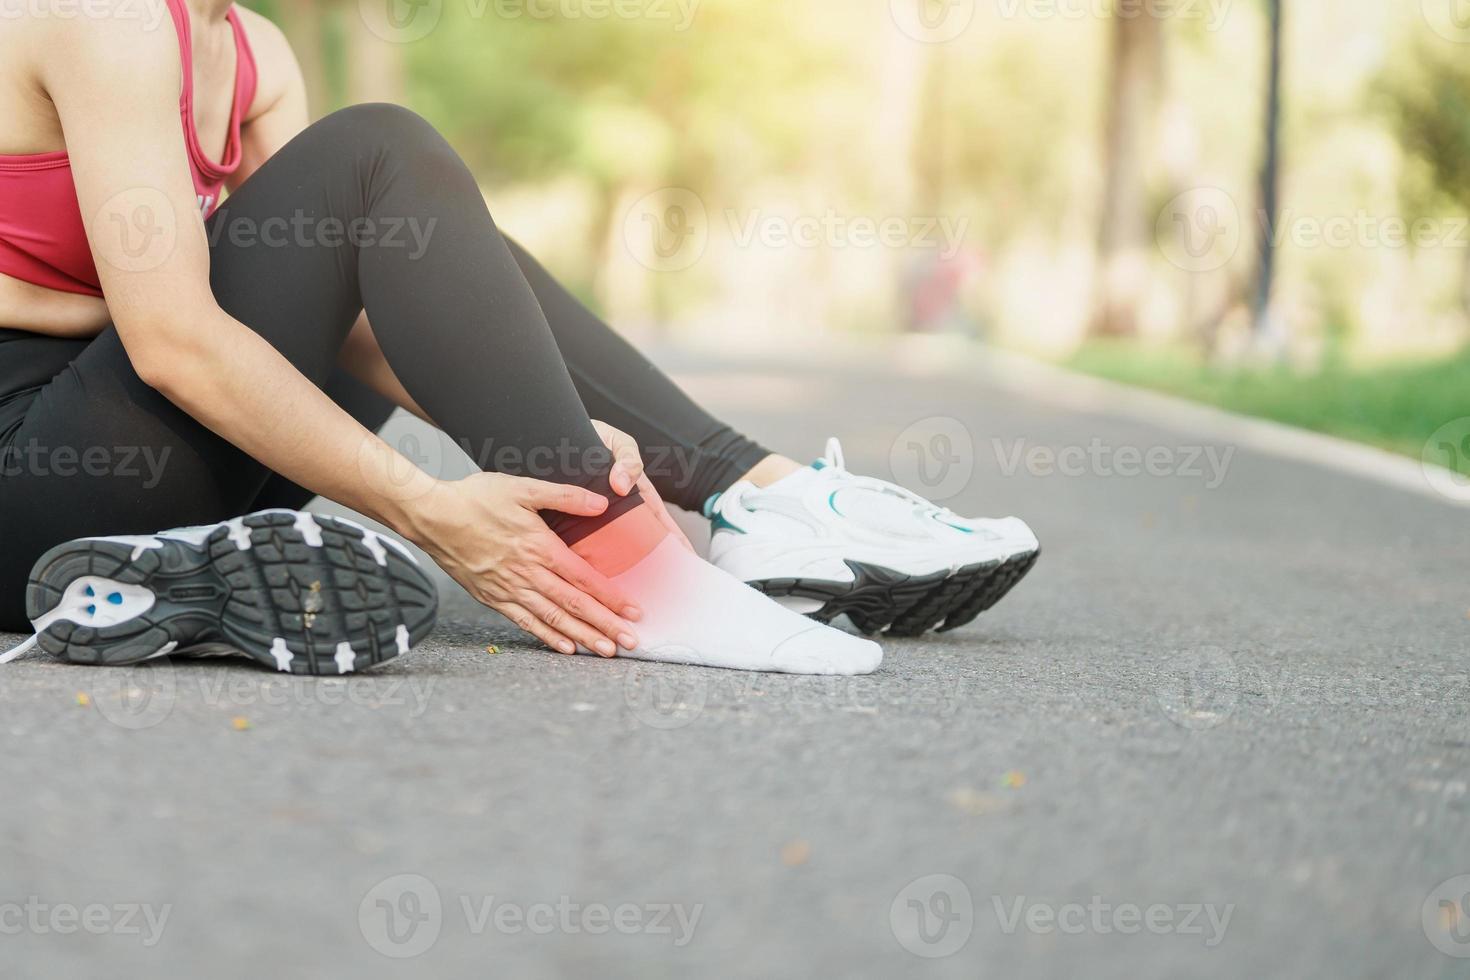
<point>115,598</point>
<point>709,505</point>
<point>967,530</point>
<point>820,464</point>
<point>832,502</point>
<point>720,523</point>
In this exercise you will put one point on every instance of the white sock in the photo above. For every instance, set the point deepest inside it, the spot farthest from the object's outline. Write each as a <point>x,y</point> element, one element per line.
<point>693,613</point>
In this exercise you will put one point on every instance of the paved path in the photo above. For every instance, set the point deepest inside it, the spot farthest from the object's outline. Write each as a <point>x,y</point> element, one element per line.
<point>1222,731</point>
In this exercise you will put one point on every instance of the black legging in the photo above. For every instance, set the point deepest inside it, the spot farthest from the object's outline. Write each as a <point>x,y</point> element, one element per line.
<point>504,360</point>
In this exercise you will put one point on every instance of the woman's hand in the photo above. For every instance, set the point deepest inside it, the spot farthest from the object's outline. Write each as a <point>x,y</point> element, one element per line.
<point>486,533</point>
<point>627,473</point>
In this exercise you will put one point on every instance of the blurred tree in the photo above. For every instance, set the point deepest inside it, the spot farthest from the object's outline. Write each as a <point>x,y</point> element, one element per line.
<point>1426,98</point>
<point>1134,75</point>
<point>1262,322</point>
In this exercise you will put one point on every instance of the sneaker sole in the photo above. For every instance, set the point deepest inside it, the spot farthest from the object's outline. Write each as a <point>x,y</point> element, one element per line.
<point>296,592</point>
<point>879,599</point>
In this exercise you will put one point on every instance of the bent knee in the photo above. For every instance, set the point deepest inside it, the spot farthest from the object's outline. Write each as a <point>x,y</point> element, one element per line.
<point>381,126</point>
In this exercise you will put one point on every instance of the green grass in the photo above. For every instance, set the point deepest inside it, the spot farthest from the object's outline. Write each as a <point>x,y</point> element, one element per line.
<point>1397,407</point>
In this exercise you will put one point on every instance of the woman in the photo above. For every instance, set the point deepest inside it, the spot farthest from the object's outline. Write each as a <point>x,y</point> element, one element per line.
<point>248,350</point>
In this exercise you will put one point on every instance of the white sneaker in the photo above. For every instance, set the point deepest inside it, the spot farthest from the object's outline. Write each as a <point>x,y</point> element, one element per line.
<point>826,542</point>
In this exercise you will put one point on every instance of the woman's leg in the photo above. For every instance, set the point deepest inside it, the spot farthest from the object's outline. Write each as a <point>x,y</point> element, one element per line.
<point>370,208</point>
<point>690,455</point>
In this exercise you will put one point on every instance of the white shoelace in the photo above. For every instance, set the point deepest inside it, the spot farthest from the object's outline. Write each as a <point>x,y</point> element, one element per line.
<point>834,460</point>
<point>19,650</point>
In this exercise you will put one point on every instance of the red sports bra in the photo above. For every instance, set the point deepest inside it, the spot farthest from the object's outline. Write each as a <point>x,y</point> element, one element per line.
<point>43,239</point>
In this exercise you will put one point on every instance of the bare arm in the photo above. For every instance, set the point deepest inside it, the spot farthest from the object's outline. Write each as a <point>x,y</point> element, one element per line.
<point>115,86</point>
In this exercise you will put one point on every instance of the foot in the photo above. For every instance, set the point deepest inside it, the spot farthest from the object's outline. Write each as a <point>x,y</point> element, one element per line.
<point>828,542</point>
<point>304,593</point>
<point>693,613</point>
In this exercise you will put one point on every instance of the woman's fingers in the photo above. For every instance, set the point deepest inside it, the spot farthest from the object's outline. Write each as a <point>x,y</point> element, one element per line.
<point>563,497</point>
<point>571,567</point>
<point>532,624</point>
<point>601,624</point>
<point>551,612</point>
<point>627,461</point>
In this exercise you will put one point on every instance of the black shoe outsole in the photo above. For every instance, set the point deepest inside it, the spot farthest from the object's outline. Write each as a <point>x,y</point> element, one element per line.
<point>314,598</point>
<point>879,599</point>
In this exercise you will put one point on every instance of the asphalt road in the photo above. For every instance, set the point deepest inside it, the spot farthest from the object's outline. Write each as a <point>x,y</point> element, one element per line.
<point>1223,730</point>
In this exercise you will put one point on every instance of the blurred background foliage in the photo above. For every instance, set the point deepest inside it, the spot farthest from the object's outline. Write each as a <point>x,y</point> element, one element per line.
<point>1184,193</point>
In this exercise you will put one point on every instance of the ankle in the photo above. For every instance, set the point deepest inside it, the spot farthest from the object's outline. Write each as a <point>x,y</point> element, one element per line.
<point>771,469</point>
<point>623,542</point>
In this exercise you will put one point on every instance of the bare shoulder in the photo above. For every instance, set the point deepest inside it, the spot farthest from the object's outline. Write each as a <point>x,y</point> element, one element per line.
<point>99,40</point>
<point>275,62</point>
